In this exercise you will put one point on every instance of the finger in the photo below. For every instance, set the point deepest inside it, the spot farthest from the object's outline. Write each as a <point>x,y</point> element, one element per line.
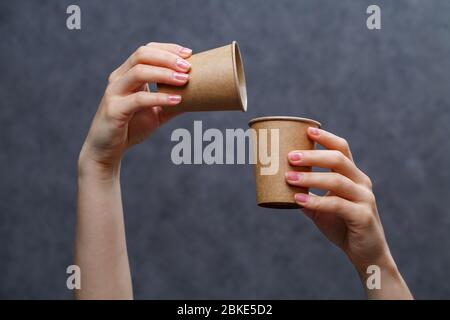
<point>140,100</point>
<point>330,141</point>
<point>330,181</point>
<point>328,159</point>
<point>344,209</point>
<point>152,56</point>
<point>141,74</point>
<point>172,47</point>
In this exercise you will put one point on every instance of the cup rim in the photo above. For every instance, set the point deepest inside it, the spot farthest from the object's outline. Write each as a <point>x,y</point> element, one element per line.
<point>285,118</point>
<point>239,75</point>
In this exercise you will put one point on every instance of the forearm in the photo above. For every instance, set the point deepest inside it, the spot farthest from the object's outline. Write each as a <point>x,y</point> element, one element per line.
<point>100,247</point>
<point>126,116</point>
<point>392,285</point>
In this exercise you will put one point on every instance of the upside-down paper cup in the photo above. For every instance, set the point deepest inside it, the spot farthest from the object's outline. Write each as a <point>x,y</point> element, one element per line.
<point>272,190</point>
<point>217,82</point>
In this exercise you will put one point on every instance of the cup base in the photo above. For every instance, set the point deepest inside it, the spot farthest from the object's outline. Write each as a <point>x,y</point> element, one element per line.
<point>279,205</point>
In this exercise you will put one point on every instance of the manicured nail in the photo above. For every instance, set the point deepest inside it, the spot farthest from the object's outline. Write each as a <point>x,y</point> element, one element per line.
<point>185,51</point>
<point>183,64</point>
<point>175,99</point>
<point>180,76</point>
<point>292,176</point>
<point>314,131</point>
<point>295,156</point>
<point>301,197</point>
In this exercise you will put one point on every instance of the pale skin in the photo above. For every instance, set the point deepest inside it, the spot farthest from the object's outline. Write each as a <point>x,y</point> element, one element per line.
<point>128,114</point>
<point>347,214</point>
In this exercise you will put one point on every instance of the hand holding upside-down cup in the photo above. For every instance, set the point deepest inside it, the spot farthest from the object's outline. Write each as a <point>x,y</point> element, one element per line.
<point>127,115</point>
<point>347,214</point>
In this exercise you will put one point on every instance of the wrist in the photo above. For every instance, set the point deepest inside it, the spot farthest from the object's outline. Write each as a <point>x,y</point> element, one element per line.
<point>384,261</point>
<point>89,166</point>
<point>391,282</point>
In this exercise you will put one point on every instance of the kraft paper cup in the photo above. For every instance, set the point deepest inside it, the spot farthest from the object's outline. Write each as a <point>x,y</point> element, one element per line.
<point>272,191</point>
<point>217,82</point>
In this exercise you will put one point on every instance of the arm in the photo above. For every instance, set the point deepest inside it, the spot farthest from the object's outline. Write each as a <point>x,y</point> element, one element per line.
<point>127,115</point>
<point>347,215</point>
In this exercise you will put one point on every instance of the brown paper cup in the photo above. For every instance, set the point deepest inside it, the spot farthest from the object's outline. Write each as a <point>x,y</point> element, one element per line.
<point>217,82</point>
<point>272,191</point>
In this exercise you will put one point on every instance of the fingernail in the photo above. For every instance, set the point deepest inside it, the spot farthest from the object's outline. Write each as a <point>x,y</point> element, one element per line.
<point>295,156</point>
<point>180,76</point>
<point>185,50</point>
<point>183,64</point>
<point>301,197</point>
<point>174,99</point>
<point>314,131</point>
<point>292,176</point>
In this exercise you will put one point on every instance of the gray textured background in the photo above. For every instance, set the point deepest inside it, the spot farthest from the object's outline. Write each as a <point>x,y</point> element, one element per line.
<point>195,231</point>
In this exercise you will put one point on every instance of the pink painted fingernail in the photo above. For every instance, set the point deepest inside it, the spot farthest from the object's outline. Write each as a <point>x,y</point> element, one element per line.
<point>185,51</point>
<point>314,131</point>
<point>174,99</point>
<point>183,64</point>
<point>292,176</point>
<point>295,156</point>
<point>180,76</point>
<point>301,197</point>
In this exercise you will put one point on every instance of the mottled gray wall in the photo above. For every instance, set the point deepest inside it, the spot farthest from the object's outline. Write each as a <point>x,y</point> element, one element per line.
<point>195,231</point>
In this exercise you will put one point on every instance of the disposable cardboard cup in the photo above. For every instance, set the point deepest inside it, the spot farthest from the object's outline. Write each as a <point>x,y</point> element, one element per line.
<point>272,191</point>
<point>217,82</point>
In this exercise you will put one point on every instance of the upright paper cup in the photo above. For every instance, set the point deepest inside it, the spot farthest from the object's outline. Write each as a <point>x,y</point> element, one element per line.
<point>272,191</point>
<point>217,82</point>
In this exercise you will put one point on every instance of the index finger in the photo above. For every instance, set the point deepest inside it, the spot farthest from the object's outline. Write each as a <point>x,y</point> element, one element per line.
<point>159,54</point>
<point>330,141</point>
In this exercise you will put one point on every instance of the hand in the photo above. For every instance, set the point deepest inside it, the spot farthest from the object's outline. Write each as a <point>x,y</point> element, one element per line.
<point>347,214</point>
<point>128,112</point>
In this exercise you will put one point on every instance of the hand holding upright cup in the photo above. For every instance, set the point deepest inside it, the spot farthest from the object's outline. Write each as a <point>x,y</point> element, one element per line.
<point>347,214</point>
